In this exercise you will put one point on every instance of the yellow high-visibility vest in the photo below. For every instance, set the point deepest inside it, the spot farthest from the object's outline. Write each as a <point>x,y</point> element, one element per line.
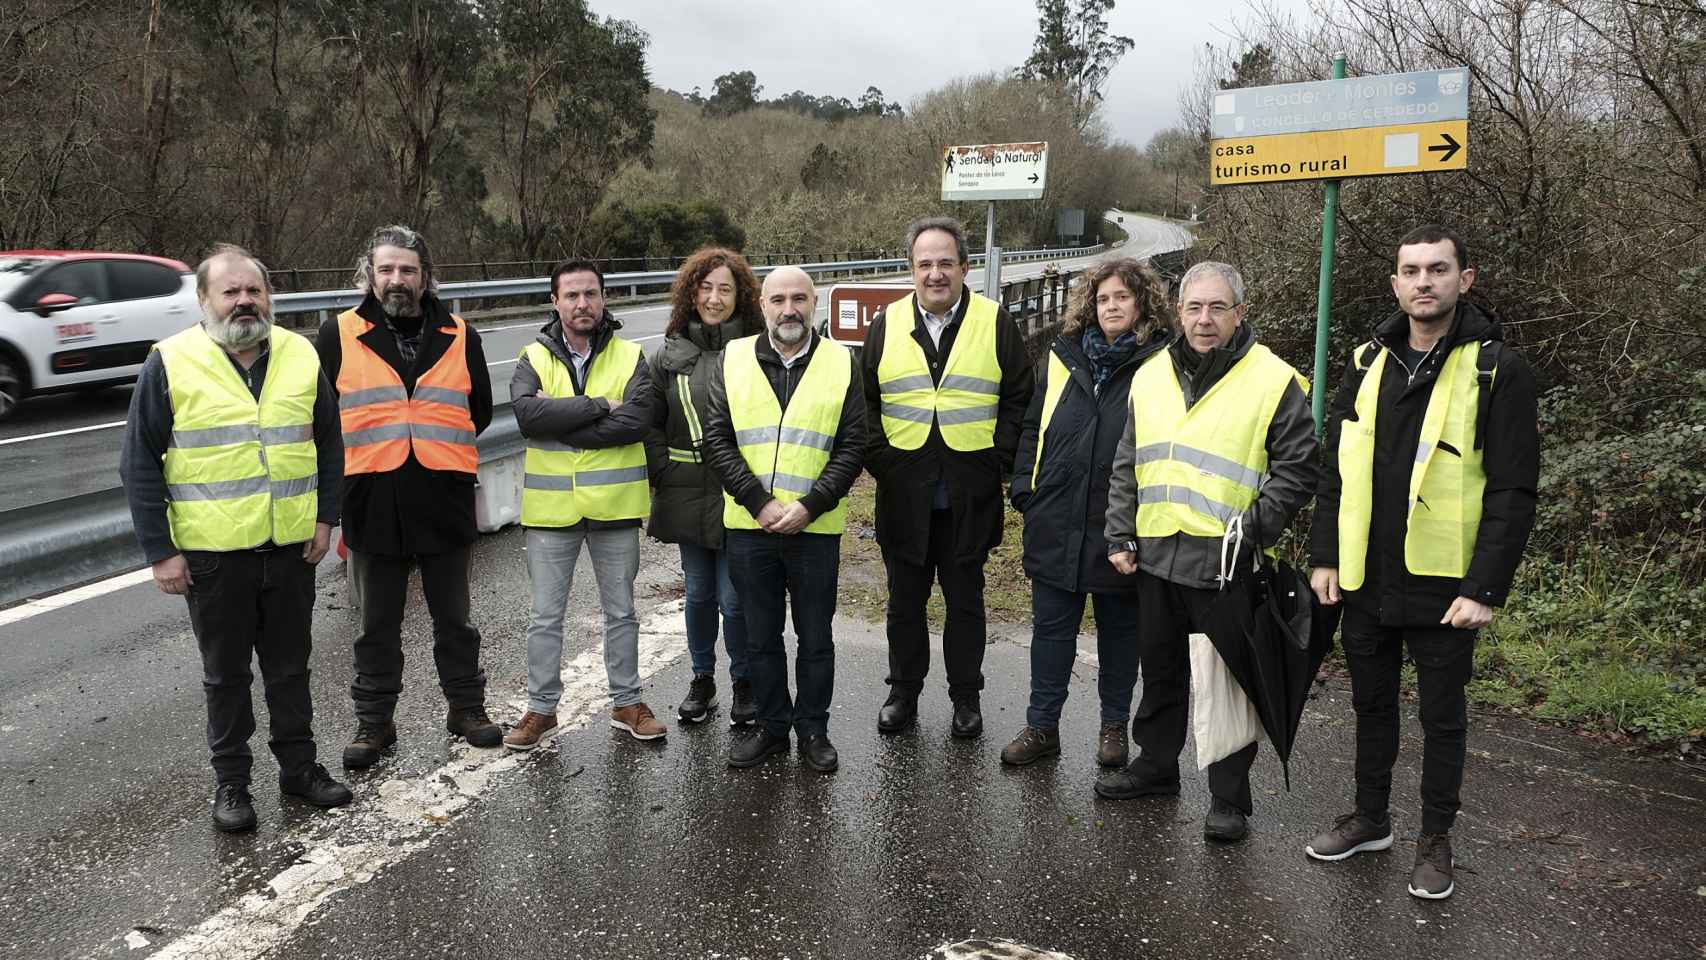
<point>1447,478</point>
<point>786,449</point>
<point>963,404</point>
<point>1197,469</point>
<point>563,484</point>
<point>1057,377</point>
<point>240,472</point>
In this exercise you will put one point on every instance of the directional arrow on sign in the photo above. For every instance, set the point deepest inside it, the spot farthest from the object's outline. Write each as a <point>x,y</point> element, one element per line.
<point>1449,148</point>
<point>1033,178</point>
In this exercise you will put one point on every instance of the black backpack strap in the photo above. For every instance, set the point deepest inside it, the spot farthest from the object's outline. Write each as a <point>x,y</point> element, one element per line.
<point>1486,364</point>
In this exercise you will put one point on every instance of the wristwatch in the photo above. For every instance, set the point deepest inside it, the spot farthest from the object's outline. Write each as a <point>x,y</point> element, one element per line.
<point>1130,546</point>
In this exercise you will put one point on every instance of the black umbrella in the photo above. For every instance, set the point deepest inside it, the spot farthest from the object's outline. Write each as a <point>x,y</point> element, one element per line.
<point>1273,634</point>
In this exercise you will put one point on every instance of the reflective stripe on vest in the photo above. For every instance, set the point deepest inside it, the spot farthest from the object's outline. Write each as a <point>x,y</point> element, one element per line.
<point>383,423</point>
<point>1057,377</point>
<point>963,405</point>
<point>1197,469</point>
<point>564,484</point>
<point>684,389</point>
<point>240,472</point>
<point>786,449</point>
<point>1447,478</point>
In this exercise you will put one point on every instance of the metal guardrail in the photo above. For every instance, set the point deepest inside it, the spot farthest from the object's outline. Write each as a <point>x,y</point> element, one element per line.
<point>324,301</point>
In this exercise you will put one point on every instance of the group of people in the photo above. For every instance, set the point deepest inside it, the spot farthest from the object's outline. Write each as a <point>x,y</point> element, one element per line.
<point>1144,435</point>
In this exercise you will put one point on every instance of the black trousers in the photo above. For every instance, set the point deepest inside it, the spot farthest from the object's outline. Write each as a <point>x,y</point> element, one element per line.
<point>769,571</point>
<point>244,605</point>
<point>380,585</point>
<point>1168,614</point>
<point>963,634</point>
<point>1445,660</point>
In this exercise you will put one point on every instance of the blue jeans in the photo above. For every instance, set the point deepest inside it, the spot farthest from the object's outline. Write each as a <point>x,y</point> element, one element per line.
<point>771,570</point>
<point>551,558</point>
<point>710,592</point>
<point>1055,617</point>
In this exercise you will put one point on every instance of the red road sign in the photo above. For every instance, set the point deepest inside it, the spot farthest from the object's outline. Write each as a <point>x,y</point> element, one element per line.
<point>852,305</point>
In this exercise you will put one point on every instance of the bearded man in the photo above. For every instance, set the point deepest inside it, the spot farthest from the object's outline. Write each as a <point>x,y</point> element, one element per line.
<point>232,463</point>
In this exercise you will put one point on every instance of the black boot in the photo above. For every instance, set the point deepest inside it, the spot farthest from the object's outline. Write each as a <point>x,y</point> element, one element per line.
<point>968,718</point>
<point>899,711</point>
<point>819,754</point>
<point>753,749</point>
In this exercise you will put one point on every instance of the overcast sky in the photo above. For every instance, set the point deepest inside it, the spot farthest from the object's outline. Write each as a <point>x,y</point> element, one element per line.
<point>907,47</point>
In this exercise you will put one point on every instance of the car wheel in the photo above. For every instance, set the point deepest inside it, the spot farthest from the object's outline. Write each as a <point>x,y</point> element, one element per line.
<point>11,384</point>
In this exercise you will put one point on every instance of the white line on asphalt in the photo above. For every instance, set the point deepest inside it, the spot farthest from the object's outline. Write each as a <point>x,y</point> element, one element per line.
<point>63,433</point>
<point>403,816</point>
<point>99,588</point>
<point>499,363</point>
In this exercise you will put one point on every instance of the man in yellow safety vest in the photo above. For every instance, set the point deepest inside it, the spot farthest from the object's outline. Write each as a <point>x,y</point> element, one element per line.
<point>233,456</point>
<point>784,429</point>
<point>583,399</point>
<point>1219,440</point>
<point>1433,458</point>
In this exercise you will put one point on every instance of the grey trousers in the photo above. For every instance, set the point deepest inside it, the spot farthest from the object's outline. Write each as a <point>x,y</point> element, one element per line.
<point>551,558</point>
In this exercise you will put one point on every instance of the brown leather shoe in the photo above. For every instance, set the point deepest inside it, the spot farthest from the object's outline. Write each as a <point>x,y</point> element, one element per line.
<point>532,730</point>
<point>1111,746</point>
<point>638,720</point>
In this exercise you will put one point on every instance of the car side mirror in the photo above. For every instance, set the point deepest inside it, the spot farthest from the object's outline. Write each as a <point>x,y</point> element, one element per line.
<point>54,302</point>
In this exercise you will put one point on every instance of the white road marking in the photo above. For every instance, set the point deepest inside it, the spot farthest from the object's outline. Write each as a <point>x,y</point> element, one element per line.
<point>499,363</point>
<point>63,433</point>
<point>985,948</point>
<point>404,816</point>
<point>99,588</point>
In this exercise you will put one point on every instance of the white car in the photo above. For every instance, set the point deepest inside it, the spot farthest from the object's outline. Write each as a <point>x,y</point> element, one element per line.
<point>82,320</point>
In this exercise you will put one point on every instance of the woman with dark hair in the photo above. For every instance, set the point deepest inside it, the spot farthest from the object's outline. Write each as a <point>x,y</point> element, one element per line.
<point>713,302</point>
<point>1117,318</point>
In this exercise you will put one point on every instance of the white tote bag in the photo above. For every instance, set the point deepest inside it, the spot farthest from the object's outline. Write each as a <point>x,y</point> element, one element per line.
<point>1223,719</point>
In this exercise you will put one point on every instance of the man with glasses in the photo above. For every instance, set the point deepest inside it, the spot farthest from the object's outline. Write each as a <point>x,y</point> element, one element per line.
<point>1219,437</point>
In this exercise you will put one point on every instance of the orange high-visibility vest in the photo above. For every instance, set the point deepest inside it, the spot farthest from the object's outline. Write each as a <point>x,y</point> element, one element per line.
<point>382,421</point>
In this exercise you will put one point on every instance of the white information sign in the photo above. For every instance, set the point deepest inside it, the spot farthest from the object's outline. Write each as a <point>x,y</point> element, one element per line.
<point>995,171</point>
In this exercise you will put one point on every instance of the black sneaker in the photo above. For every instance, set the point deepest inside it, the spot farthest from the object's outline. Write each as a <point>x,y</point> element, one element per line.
<point>1225,823</point>
<point>473,725</point>
<point>233,808</point>
<point>316,786</point>
<point>1350,835</point>
<point>753,749</point>
<point>743,710</point>
<point>371,739</point>
<point>701,697</point>
<point>1432,878</point>
<point>1130,782</point>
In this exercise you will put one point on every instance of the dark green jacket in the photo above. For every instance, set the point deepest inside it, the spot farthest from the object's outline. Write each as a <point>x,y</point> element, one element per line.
<point>687,497</point>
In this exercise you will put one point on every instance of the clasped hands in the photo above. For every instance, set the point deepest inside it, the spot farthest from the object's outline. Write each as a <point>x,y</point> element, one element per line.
<point>784,518</point>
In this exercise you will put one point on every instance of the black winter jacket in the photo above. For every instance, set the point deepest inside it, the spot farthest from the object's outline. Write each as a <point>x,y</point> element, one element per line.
<point>411,511</point>
<point>906,479</point>
<point>586,422</point>
<point>722,451</point>
<point>1066,509</point>
<point>687,502</point>
<point>1511,451</point>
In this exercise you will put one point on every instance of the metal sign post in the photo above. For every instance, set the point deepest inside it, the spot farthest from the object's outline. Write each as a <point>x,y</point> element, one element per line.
<point>994,171</point>
<point>1324,287</point>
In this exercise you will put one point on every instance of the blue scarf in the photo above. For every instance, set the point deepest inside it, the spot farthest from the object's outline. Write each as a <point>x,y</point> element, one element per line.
<point>1105,357</point>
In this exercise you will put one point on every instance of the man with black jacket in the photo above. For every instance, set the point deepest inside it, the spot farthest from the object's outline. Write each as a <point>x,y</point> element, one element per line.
<point>785,432</point>
<point>583,399</point>
<point>947,381</point>
<point>413,394</point>
<point>1424,510</point>
<point>1219,441</point>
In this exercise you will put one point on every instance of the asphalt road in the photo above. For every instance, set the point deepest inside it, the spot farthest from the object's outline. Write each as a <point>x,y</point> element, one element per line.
<point>61,446</point>
<point>600,846</point>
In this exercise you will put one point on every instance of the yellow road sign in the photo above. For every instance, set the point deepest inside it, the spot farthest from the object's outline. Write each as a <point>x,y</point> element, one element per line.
<point>1333,154</point>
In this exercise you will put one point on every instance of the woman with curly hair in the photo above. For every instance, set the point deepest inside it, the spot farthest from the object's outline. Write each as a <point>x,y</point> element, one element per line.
<point>713,302</point>
<point>1116,319</point>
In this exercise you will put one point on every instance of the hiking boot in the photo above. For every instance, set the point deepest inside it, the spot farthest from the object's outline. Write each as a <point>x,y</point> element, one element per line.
<point>315,786</point>
<point>754,748</point>
<point>1225,823</point>
<point>1350,835</point>
<point>968,718</point>
<point>1030,746</point>
<point>233,808</point>
<point>1431,879</point>
<point>701,697</point>
<point>638,719</point>
<point>472,725</point>
<point>742,711</point>
<point>899,711</point>
<point>531,730</point>
<point>370,739</point>
<point>1129,783</point>
<point>1111,748</point>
